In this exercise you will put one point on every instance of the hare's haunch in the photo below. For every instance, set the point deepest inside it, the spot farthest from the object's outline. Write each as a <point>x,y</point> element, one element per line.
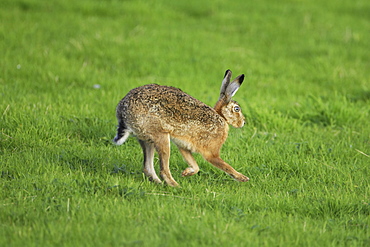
<point>158,114</point>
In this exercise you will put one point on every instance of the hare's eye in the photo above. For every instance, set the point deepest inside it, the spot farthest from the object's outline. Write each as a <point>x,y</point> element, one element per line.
<point>236,108</point>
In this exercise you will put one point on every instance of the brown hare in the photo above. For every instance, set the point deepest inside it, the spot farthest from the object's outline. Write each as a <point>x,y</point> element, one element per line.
<point>157,115</point>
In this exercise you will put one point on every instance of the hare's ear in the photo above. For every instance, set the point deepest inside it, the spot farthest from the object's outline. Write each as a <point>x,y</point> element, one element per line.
<point>225,83</point>
<point>233,87</point>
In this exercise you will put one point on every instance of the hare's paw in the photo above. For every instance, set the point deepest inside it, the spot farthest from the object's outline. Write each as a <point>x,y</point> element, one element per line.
<point>172,183</point>
<point>152,176</point>
<point>188,172</point>
<point>155,180</point>
<point>169,179</point>
<point>241,178</point>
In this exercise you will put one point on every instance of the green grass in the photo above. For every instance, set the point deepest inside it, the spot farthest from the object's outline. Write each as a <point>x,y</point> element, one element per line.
<point>66,64</point>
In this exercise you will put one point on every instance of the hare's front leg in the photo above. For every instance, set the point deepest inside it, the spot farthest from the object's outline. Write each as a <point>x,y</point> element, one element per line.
<point>193,166</point>
<point>162,145</point>
<point>219,163</point>
<point>148,151</point>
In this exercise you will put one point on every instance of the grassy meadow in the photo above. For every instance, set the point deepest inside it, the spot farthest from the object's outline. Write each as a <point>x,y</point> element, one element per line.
<point>306,145</point>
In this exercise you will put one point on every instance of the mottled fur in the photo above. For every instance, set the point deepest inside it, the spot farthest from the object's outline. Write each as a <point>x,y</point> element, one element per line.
<point>157,114</point>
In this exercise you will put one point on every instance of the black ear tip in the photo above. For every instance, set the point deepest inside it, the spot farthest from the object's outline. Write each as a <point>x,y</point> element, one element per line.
<point>241,78</point>
<point>227,71</point>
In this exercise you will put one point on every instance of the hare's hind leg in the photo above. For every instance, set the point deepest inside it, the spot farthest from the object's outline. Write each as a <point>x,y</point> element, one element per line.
<point>193,166</point>
<point>219,163</point>
<point>162,145</point>
<point>148,151</point>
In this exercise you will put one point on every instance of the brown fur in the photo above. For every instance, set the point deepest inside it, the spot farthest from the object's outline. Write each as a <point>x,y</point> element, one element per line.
<point>157,114</point>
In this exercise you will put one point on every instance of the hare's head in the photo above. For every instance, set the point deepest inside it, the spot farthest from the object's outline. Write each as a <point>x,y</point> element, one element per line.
<point>233,114</point>
<point>227,107</point>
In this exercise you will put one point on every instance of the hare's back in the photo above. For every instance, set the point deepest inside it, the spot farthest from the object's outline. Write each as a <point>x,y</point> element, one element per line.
<point>168,103</point>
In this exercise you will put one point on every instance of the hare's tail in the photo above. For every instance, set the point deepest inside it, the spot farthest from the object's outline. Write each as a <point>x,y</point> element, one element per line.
<point>122,134</point>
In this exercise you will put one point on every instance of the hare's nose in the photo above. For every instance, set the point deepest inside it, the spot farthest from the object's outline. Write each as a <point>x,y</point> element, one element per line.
<point>242,123</point>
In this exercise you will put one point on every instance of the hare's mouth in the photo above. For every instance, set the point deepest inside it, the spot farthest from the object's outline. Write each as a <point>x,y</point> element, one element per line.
<point>237,124</point>
<point>242,123</point>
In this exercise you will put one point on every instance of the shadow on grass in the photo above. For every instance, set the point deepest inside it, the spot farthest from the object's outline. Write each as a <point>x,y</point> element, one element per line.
<point>83,162</point>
